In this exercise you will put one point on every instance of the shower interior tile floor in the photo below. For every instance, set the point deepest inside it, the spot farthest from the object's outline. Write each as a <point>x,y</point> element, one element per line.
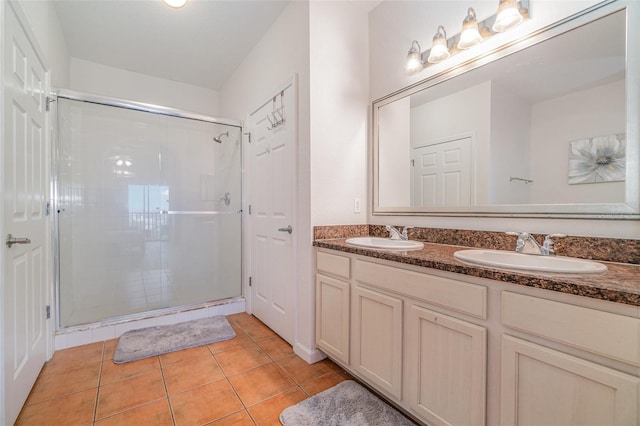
<point>247,380</point>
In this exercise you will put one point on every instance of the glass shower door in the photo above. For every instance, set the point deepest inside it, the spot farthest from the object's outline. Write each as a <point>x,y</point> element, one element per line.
<point>144,219</point>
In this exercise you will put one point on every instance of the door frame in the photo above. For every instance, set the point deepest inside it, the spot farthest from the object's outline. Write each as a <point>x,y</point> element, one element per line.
<point>291,82</point>
<point>48,274</point>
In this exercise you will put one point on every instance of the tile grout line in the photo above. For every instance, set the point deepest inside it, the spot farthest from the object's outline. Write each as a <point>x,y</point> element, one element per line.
<point>119,380</point>
<point>95,405</point>
<point>166,392</point>
<point>235,392</point>
<point>298,385</point>
<point>274,361</point>
<point>226,377</point>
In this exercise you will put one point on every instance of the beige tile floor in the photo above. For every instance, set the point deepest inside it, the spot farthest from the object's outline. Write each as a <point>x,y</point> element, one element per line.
<point>247,380</point>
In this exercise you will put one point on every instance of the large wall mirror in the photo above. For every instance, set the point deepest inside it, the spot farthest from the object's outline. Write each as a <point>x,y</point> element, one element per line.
<point>548,126</point>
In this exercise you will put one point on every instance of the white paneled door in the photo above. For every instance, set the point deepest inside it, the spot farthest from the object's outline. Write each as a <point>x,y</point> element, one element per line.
<point>271,175</point>
<point>442,173</point>
<point>24,270</point>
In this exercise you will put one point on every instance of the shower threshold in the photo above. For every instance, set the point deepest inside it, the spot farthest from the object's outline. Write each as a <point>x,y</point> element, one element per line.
<point>112,328</point>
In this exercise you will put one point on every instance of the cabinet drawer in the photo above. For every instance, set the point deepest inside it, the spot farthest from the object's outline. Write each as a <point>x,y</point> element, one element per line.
<point>333,264</point>
<point>603,333</point>
<point>459,296</point>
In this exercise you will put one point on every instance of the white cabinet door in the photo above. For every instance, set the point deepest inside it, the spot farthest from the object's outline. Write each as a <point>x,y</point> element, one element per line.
<point>377,345</point>
<point>332,317</point>
<point>541,386</point>
<point>447,368</point>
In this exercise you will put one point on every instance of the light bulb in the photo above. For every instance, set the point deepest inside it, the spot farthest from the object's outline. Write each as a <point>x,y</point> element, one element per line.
<point>470,35</point>
<point>439,49</point>
<point>175,3</point>
<point>414,59</point>
<point>508,16</point>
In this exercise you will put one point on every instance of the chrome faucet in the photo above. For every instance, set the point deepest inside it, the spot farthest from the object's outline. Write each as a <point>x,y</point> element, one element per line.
<point>547,245</point>
<point>394,234</point>
<point>526,244</point>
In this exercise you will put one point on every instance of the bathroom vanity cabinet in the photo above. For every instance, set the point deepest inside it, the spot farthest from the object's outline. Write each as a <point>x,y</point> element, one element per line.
<point>541,385</point>
<point>332,305</point>
<point>453,349</point>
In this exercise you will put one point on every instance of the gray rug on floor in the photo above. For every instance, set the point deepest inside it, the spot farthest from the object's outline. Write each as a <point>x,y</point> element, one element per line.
<point>345,404</point>
<point>151,341</point>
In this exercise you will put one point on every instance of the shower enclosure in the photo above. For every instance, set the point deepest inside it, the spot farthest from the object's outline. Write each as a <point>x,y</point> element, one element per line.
<point>148,205</point>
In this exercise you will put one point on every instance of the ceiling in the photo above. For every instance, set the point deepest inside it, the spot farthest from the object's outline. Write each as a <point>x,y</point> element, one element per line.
<point>201,43</point>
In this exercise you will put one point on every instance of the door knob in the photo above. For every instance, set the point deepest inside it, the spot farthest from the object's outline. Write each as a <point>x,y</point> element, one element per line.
<point>288,229</point>
<point>11,240</point>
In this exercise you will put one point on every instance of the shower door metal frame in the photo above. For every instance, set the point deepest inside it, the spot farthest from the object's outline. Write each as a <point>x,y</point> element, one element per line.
<point>53,205</point>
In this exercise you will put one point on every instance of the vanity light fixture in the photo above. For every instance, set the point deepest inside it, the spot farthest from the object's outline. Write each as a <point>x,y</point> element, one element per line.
<point>414,61</point>
<point>510,13</point>
<point>175,3</point>
<point>439,49</point>
<point>470,35</point>
<point>508,16</point>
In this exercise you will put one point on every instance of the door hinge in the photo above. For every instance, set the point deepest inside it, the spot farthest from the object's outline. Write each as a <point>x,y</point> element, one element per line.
<point>413,163</point>
<point>48,208</point>
<point>248,136</point>
<point>249,208</point>
<point>48,102</point>
<point>47,310</point>
<point>249,281</point>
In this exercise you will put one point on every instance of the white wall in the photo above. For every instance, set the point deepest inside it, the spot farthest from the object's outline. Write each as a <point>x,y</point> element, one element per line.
<point>281,53</point>
<point>44,23</point>
<point>394,151</point>
<point>598,111</point>
<point>325,44</point>
<point>393,24</point>
<point>510,142</point>
<point>100,79</point>
<point>339,59</point>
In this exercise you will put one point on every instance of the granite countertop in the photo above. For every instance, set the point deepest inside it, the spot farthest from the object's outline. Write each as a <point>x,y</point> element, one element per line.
<point>620,283</point>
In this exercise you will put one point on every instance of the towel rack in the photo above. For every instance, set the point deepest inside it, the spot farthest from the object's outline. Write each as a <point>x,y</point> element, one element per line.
<point>277,113</point>
<point>512,178</point>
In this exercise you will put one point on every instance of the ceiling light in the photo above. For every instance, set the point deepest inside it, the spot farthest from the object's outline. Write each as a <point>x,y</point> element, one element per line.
<point>414,59</point>
<point>439,49</point>
<point>508,16</point>
<point>175,3</point>
<point>470,35</point>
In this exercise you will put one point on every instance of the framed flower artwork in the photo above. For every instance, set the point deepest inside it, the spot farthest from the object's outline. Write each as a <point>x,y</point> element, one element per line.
<point>598,159</point>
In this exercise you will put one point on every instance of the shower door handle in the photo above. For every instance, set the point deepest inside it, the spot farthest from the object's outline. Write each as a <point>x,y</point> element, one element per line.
<point>288,229</point>
<point>11,240</point>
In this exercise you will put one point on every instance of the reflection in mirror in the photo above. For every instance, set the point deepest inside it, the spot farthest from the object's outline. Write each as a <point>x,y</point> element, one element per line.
<point>543,126</point>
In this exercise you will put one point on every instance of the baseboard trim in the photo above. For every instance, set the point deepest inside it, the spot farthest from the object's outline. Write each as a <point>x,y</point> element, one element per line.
<point>310,355</point>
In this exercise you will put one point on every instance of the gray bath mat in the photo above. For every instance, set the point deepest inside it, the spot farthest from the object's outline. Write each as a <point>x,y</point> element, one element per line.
<point>151,341</point>
<point>345,404</point>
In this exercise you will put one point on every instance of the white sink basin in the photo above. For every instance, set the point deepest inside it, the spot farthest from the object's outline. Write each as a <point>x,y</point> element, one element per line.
<point>513,260</point>
<point>385,243</point>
